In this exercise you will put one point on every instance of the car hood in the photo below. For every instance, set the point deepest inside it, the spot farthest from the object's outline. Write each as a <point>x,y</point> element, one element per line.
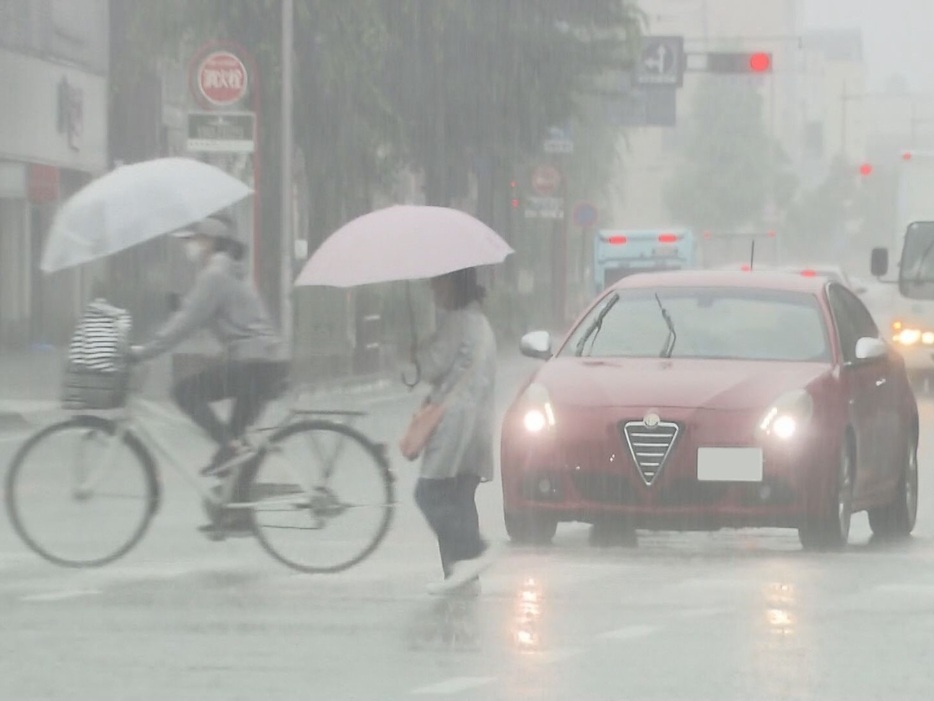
<point>683,383</point>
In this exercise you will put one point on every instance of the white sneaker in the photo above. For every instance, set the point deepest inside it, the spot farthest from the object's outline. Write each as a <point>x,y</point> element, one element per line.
<point>465,570</point>
<point>470,590</point>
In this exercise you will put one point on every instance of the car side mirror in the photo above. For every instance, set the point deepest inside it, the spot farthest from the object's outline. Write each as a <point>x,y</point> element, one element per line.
<point>869,348</point>
<point>536,344</point>
<point>879,263</point>
<point>173,302</point>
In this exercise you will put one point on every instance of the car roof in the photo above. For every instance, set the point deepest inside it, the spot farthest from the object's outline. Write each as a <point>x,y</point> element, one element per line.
<point>761,280</point>
<point>818,268</point>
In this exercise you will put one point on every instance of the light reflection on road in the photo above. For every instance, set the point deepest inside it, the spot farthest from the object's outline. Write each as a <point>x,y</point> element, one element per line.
<point>526,622</point>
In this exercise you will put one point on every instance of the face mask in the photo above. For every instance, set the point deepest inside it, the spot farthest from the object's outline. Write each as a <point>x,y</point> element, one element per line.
<point>194,251</point>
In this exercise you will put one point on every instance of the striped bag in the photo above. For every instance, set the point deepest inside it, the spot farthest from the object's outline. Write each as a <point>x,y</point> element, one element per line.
<point>96,374</point>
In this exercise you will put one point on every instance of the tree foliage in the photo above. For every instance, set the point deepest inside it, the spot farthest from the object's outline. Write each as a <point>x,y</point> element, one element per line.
<point>730,166</point>
<point>455,90</point>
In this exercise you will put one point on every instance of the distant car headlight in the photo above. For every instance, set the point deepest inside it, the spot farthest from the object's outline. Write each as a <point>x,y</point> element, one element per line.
<point>908,337</point>
<point>787,415</point>
<point>911,334</point>
<point>539,413</point>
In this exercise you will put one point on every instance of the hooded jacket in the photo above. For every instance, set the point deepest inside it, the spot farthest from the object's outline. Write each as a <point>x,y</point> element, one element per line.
<point>225,302</point>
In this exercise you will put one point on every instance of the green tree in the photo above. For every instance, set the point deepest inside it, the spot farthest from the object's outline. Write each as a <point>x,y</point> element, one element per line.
<point>730,167</point>
<point>445,87</point>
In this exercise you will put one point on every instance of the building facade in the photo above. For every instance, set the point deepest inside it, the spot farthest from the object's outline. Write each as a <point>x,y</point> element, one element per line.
<point>54,61</point>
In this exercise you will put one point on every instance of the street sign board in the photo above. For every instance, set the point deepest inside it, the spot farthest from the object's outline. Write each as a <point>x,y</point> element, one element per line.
<point>559,141</point>
<point>585,215</point>
<point>221,132</point>
<point>655,107</point>
<point>661,62</point>
<point>544,207</point>
<point>222,78</point>
<point>546,179</point>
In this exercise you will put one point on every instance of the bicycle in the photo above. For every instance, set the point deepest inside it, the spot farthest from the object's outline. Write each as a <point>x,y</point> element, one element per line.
<point>285,503</point>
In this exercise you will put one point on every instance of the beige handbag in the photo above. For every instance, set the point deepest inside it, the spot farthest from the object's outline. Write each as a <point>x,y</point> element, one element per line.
<point>421,427</point>
<point>425,421</point>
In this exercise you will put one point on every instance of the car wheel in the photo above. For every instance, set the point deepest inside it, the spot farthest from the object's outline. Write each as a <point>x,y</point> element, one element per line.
<point>830,529</point>
<point>922,382</point>
<point>897,519</point>
<point>529,528</point>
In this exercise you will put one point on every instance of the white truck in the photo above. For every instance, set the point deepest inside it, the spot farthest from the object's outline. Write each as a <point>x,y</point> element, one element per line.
<point>910,324</point>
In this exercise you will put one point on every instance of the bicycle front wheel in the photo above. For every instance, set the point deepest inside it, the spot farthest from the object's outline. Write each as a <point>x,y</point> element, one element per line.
<point>78,496</point>
<point>321,496</point>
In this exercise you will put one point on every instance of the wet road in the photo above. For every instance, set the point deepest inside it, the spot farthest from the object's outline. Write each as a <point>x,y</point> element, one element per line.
<point>731,615</point>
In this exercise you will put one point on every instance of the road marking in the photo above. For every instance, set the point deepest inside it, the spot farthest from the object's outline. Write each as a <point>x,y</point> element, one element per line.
<point>628,632</point>
<point>61,595</point>
<point>454,685</point>
<point>703,612</point>
<point>559,655</point>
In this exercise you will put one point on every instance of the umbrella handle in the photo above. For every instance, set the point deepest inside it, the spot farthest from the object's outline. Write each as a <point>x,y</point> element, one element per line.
<point>418,370</point>
<point>418,377</point>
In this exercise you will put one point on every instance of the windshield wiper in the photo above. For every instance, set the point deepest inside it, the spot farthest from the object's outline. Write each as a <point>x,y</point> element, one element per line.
<point>596,324</point>
<point>672,334</point>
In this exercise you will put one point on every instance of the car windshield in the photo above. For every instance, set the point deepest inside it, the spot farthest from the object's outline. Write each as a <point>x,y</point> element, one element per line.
<point>728,323</point>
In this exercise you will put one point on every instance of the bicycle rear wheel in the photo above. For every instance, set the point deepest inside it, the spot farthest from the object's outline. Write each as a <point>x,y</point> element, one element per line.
<point>321,496</point>
<point>79,498</point>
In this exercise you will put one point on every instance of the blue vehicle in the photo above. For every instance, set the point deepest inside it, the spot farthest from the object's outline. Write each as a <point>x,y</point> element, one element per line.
<point>621,252</point>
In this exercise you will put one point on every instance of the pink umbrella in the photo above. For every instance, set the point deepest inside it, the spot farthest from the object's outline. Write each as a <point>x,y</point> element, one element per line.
<point>403,242</point>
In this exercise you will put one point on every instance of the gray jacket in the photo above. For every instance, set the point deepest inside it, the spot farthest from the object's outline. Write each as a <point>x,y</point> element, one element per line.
<point>463,442</point>
<point>224,301</point>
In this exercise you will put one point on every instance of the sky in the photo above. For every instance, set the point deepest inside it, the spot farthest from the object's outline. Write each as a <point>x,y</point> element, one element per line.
<point>898,36</point>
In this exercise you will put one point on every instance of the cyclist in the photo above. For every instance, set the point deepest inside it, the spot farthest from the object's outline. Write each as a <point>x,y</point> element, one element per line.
<point>224,301</point>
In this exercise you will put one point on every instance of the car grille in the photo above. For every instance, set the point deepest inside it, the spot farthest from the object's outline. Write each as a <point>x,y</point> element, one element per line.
<point>650,446</point>
<point>603,487</point>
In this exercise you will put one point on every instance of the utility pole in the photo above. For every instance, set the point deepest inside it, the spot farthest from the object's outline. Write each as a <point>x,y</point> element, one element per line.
<point>286,237</point>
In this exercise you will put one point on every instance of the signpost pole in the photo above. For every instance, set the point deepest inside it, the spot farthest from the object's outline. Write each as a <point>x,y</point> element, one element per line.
<point>285,240</point>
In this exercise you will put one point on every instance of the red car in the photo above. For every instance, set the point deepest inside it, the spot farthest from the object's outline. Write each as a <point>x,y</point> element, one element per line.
<point>699,400</point>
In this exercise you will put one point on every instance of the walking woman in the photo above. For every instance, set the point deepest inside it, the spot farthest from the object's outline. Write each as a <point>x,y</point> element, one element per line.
<point>459,362</point>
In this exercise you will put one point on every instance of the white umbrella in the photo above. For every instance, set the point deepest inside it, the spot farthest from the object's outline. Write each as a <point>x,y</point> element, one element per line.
<point>403,242</point>
<point>135,203</point>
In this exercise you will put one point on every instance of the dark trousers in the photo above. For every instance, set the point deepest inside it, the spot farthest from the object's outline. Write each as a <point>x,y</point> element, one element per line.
<point>450,509</point>
<point>251,385</point>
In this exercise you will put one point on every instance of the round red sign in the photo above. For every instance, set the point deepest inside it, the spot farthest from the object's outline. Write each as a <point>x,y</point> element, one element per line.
<point>546,180</point>
<point>222,78</point>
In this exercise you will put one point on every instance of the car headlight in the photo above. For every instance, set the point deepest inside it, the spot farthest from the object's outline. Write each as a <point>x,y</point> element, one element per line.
<point>539,414</point>
<point>787,415</point>
<point>908,337</point>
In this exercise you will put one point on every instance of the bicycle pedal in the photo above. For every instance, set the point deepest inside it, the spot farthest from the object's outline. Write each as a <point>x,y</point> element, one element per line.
<point>212,532</point>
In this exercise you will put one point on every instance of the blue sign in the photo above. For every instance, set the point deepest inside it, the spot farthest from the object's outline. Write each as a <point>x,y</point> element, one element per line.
<point>585,215</point>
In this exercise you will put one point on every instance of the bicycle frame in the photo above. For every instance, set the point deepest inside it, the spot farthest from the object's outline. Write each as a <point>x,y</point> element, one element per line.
<point>129,421</point>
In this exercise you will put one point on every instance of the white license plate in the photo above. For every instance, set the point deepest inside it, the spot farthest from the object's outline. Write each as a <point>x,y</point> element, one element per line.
<point>729,464</point>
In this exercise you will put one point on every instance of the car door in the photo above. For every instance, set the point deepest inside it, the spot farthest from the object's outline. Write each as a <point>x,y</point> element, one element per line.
<point>863,384</point>
<point>888,442</point>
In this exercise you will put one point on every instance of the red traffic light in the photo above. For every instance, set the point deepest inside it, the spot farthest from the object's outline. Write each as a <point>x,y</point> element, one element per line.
<point>760,62</point>
<point>739,62</point>
<point>906,156</point>
<point>865,169</point>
